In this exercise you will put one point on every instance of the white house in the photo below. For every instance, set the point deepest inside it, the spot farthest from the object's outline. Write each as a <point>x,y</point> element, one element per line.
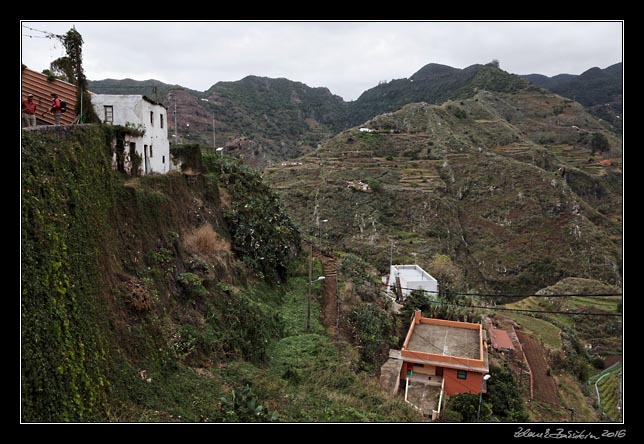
<point>140,111</point>
<point>408,278</point>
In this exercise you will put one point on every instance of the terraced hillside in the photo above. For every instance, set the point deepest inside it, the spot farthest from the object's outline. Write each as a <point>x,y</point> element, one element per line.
<point>479,180</point>
<point>608,386</point>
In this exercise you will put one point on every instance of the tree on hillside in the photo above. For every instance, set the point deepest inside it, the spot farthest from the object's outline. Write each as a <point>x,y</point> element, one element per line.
<point>73,43</point>
<point>449,275</point>
<point>599,142</point>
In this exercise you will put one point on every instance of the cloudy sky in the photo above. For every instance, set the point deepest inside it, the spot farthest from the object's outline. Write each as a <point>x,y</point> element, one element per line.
<point>346,57</point>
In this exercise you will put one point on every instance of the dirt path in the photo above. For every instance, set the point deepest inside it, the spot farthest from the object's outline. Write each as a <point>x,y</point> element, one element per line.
<point>545,389</point>
<point>329,301</point>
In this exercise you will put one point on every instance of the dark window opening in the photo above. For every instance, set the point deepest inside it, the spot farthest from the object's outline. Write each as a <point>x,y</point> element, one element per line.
<point>109,114</point>
<point>152,118</point>
<point>461,374</point>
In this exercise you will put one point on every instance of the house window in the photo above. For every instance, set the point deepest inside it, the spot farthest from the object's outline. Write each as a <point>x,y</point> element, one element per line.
<point>152,118</point>
<point>161,120</point>
<point>461,374</point>
<point>150,150</point>
<point>109,114</point>
<point>162,159</point>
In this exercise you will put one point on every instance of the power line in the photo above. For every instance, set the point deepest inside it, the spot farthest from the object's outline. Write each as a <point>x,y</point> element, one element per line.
<point>36,36</point>
<point>489,295</point>
<point>49,35</point>
<point>519,310</point>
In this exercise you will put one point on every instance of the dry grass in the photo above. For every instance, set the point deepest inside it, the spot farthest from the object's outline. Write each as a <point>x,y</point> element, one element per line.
<point>203,241</point>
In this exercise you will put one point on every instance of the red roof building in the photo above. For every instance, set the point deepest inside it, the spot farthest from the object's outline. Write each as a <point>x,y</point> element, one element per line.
<point>500,339</point>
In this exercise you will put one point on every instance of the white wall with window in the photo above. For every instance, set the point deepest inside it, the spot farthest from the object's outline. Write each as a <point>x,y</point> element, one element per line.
<point>140,111</point>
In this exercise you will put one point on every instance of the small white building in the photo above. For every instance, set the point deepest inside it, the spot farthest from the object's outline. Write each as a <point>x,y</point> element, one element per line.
<point>142,112</point>
<point>408,278</point>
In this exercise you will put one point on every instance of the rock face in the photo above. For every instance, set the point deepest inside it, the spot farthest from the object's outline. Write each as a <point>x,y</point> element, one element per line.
<point>503,182</point>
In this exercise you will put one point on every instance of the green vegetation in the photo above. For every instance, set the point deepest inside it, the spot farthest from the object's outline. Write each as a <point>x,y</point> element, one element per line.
<point>65,370</point>
<point>373,329</point>
<point>502,401</point>
<point>503,396</point>
<point>600,90</point>
<point>488,194</point>
<point>464,407</point>
<point>603,333</point>
<point>608,386</point>
<point>599,143</point>
<point>132,311</point>
<point>73,68</point>
<point>261,233</point>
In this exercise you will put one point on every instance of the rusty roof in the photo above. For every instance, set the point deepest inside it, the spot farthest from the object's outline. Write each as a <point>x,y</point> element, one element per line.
<point>500,339</point>
<point>36,83</point>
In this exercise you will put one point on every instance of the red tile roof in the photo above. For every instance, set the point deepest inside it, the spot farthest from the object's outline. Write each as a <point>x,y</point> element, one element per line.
<point>37,84</point>
<point>500,339</point>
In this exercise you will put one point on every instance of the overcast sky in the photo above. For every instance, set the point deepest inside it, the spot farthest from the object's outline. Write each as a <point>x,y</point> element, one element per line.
<point>346,57</point>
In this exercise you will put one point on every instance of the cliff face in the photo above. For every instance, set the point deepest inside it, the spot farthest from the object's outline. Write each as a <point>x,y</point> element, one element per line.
<point>64,221</point>
<point>118,276</point>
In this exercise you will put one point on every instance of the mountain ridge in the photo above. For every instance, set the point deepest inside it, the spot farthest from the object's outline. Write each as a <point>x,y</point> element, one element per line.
<point>600,90</point>
<point>269,120</point>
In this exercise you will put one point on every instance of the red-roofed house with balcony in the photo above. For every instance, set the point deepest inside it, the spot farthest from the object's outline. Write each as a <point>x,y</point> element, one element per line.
<point>439,357</point>
<point>451,350</point>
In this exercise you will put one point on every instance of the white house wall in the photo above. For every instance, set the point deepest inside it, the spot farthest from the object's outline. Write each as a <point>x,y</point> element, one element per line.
<point>134,109</point>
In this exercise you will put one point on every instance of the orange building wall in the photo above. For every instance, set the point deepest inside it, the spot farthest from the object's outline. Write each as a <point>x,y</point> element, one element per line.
<point>453,385</point>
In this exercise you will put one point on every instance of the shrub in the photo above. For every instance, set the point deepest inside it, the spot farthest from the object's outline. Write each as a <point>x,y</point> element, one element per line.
<point>467,406</point>
<point>599,142</point>
<point>244,407</point>
<point>192,284</point>
<point>372,328</point>
<point>460,113</point>
<point>374,185</point>
<point>204,241</point>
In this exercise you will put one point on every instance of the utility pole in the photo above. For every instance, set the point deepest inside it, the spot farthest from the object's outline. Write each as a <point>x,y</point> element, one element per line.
<point>337,305</point>
<point>174,116</point>
<point>308,297</point>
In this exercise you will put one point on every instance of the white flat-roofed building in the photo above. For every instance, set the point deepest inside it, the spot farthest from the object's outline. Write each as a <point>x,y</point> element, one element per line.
<point>405,278</point>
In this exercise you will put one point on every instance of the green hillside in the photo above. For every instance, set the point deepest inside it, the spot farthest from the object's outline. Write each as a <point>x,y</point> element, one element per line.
<point>477,179</point>
<point>170,298</point>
